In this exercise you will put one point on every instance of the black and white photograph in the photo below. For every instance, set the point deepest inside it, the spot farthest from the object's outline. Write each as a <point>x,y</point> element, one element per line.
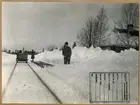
<point>70,52</point>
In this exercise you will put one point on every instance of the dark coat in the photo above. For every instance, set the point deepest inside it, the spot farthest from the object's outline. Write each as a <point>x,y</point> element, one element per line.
<point>33,55</point>
<point>66,51</point>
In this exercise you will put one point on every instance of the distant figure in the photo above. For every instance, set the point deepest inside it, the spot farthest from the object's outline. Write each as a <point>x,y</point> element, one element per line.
<point>43,50</point>
<point>9,51</point>
<point>33,55</point>
<point>74,45</point>
<point>20,51</point>
<point>66,51</point>
<point>23,50</point>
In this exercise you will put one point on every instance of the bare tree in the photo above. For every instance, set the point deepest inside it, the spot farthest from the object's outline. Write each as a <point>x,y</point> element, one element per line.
<point>100,28</point>
<point>94,32</point>
<point>85,36</point>
<point>129,22</point>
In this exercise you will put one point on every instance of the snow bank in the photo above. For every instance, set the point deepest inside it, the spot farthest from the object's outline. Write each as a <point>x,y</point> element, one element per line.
<point>50,56</point>
<point>8,57</point>
<point>90,60</point>
<point>78,54</point>
<point>82,54</point>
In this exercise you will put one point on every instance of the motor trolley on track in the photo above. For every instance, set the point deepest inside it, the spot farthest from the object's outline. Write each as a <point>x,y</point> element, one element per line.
<point>22,56</point>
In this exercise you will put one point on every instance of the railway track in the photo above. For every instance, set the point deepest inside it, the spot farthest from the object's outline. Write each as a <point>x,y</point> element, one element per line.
<point>48,89</point>
<point>10,77</point>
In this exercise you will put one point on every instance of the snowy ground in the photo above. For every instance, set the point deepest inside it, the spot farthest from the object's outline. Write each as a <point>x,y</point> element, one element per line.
<point>69,82</point>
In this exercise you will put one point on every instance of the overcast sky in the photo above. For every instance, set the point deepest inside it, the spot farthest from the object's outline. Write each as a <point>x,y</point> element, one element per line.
<point>37,25</point>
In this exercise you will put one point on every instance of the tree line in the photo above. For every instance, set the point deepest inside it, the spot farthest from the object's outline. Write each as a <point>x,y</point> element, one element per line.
<point>94,33</point>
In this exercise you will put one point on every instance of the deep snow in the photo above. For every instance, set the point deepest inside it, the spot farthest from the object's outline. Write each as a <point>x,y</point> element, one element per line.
<point>70,82</point>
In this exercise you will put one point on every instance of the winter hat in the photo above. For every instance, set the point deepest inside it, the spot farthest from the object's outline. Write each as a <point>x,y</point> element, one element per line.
<point>66,43</point>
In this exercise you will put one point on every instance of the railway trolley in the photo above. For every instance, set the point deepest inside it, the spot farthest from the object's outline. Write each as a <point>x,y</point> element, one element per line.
<point>22,57</point>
